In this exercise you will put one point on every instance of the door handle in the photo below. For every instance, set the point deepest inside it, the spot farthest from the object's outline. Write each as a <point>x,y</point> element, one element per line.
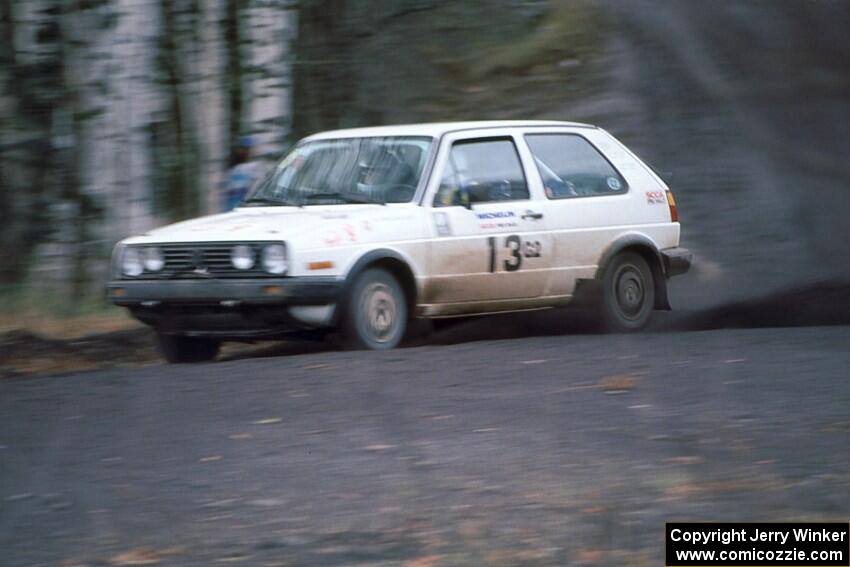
<point>532,215</point>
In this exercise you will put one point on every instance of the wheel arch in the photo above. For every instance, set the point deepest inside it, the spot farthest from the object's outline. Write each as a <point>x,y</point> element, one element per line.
<point>649,251</point>
<point>390,260</point>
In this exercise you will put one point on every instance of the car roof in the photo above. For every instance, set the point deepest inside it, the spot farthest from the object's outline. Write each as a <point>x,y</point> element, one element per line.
<point>438,128</point>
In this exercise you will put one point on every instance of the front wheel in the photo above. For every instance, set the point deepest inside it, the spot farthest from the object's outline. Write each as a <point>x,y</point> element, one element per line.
<point>181,349</point>
<point>628,293</point>
<point>376,312</point>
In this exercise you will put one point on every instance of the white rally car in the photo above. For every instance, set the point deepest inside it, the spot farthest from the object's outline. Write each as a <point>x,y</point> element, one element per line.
<point>361,230</point>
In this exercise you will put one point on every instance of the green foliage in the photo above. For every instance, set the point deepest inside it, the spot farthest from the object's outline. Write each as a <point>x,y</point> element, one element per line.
<point>90,4</point>
<point>565,33</point>
<point>24,308</point>
<point>26,300</point>
<point>89,114</point>
<point>407,61</point>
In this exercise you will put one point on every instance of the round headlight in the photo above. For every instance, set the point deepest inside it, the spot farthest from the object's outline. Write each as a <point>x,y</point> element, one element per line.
<point>153,259</point>
<point>274,259</point>
<point>242,257</point>
<point>131,262</point>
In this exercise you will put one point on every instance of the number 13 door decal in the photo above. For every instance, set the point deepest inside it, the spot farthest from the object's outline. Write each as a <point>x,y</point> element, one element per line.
<point>517,250</point>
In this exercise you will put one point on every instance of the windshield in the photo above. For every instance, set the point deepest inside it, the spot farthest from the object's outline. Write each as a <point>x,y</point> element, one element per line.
<point>351,170</point>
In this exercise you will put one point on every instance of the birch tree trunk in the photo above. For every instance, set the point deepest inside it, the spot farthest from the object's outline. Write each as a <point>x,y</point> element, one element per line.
<point>118,115</point>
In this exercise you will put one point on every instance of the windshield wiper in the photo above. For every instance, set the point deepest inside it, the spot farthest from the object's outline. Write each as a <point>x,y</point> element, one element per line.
<point>269,201</point>
<point>348,197</point>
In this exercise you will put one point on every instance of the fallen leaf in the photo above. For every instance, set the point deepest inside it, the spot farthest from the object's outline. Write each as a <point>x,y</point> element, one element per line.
<point>142,556</point>
<point>427,561</point>
<point>589,556</point>
<point>234,559</point>
<point>618,384</point>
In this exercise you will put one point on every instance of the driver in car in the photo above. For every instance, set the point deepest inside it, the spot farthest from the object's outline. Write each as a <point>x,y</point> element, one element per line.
<point>386,177</point>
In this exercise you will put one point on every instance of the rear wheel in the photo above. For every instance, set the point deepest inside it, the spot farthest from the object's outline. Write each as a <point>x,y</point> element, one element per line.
<point>376,312</point>
<point>628,293</point>
<point>182,349</point>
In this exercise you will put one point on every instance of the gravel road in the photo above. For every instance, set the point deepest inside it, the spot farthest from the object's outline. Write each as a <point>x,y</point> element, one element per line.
<point>544,450</point>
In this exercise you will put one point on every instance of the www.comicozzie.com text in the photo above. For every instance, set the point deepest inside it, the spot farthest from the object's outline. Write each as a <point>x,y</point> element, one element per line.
<point>734,535</point>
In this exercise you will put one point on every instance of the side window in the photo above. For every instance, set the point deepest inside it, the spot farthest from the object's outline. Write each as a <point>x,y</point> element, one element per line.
<point>571,167</point>
<point>482,171</point>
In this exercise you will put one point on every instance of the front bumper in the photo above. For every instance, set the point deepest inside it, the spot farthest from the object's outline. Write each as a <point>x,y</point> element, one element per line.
<point>677,261</point>
<point>230,309</point>
<point>279,291</point>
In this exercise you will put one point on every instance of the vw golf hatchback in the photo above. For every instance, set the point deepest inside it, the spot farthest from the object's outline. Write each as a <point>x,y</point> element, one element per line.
<point>362,230</point>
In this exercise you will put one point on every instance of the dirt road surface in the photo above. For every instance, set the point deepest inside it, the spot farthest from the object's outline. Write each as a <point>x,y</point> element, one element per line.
<point>544,450</point>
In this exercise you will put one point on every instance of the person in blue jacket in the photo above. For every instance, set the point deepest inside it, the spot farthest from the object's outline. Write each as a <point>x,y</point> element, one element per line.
<point>243,173</point>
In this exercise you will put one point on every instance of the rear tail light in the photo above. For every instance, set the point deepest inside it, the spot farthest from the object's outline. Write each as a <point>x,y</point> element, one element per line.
<point>671,202</point>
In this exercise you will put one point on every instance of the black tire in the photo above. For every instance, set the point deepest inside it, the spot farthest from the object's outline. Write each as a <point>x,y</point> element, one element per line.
<point>375,312</point>
<point>178,349</point>
<point>628,294</point>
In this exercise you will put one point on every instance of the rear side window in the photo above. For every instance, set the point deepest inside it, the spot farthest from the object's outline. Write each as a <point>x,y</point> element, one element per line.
<point>571,167</point>
<point>484,171</point>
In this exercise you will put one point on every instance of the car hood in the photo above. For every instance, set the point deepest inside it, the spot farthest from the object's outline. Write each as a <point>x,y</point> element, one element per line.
<point>257,223</point>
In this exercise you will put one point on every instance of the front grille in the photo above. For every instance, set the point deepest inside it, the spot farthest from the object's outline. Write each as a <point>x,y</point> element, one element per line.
<point>205,261</point>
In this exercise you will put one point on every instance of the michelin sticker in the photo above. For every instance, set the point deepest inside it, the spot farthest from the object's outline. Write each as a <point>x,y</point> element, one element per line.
<point>497,219</point>
<point>614,184</point>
